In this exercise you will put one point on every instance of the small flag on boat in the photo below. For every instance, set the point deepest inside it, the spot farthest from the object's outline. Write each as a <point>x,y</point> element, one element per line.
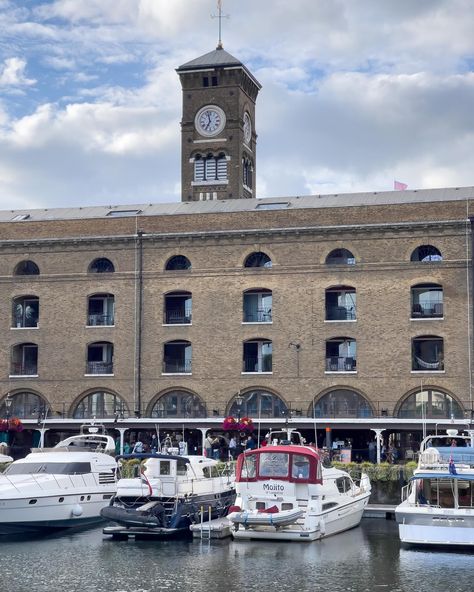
<point>452,466</point>
<point>398,186</point>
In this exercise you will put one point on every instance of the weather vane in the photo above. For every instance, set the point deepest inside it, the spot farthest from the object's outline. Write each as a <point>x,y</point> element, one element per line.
<point>219,16</point>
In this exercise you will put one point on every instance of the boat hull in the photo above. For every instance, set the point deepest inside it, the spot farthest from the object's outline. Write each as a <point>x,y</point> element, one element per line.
<point>429,526</point>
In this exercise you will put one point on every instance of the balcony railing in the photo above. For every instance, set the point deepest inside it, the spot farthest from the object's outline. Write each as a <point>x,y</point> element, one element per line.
<point>96,320</point>
<point>252,364</point>
<point>340,313</point>
<point>261,315</point>
<point>99,368</point>
<point>177,366</point>
<point>340,364</point>
<point>420,364</point>
<point>177,317</point>
<point>428,311</point>
<point>22,369</point>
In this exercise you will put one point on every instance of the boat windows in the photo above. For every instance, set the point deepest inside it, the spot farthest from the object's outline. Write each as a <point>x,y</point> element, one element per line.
<point>77,468</point>
<point>329,505</point>
<point>343,484</point>
<point>286,506</point>
<point>165,468</point>
<point>249,466</point>
<point>300,467</point>
<point>182,467</point>
<point>274,464</point>
<point>260,505</point>
<point>212,471</point>
<point>32,502</point>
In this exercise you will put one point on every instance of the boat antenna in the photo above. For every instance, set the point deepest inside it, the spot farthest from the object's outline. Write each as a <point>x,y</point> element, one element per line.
<point>315,426</point>
<point>219,16</point>
<point>259,422</point>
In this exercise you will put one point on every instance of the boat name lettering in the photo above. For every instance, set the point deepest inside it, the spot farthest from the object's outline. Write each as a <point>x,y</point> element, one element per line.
<point>273,487</point>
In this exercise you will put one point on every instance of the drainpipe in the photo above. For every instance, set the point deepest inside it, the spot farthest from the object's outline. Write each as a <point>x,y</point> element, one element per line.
<point>137,397</point>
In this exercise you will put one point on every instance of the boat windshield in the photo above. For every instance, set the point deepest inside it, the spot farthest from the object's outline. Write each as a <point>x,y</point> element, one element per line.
<point>50,468</point>
<point>274,464</point>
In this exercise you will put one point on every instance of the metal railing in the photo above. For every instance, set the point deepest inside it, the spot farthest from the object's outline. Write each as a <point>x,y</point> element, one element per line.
<point>340,313</point>
<point>100,320</point>
<point>340,364</point>
<point>253,364</point>
<point>424,311</point>
<point>99,368</point>
<point>177,317</point>
<point>22,369</point>
<point>261,315</point>
<point>177,366</point>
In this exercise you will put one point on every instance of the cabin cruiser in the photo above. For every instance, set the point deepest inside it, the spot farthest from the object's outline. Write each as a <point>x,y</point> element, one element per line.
<point>285,493</point>
<point>61,487</point>
<point>169,493</point>
<point>437,505</point>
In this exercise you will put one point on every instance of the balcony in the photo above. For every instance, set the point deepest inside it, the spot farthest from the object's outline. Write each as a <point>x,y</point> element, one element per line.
<point>419,365</point>
<point>260,315</point>
<point>178,308</point>
<point>340,313</point>
<point>340,364</point>
<point>100,310</point>
<point>177,366</point>
<point>99,368</point>
<point>252,364</point>
<point>427,311</point>
<point>100,320</point>
<point>177,317</point>
<point>24,369</point>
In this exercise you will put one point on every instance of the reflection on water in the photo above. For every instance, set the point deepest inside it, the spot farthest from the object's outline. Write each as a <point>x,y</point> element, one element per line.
<point>365,559</point>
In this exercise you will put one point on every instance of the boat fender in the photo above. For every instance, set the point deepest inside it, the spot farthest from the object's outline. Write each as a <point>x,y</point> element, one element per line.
<point>77,510</point>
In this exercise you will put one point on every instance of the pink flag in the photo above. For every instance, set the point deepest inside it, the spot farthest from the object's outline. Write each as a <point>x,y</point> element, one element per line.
<point>399,186</point>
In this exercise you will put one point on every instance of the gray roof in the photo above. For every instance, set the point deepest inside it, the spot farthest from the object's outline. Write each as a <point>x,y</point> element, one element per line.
<point>219,57</point>
<point>345,200</point>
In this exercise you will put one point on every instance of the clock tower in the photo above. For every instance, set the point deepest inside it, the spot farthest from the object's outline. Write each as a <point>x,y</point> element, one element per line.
<point>218,138</point>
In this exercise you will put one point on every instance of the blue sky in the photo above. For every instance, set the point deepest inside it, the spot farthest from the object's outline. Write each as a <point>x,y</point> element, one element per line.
<point>355,94</point>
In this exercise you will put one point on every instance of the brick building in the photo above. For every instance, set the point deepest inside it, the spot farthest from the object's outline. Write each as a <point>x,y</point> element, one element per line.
<point>340,314</point>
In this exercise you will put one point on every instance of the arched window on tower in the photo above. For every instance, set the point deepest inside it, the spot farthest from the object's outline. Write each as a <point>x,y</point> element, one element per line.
<point>247,173</point>
<point>210,167</point>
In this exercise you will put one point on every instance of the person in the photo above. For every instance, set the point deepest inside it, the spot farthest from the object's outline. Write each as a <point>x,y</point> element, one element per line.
<point>208,446</point>
<point>250,444</point>
<point>232,447</point>
<point>126,448</point>
<point>154,444</point>
<point>372,451</point>
<point>138,448</point>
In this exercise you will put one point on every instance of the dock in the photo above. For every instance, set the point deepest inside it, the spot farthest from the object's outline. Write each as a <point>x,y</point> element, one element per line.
<point>385,511</point>
<point>213,529</point>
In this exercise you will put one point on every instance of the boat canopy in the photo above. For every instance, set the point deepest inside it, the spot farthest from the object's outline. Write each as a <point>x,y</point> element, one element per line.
<point>458,476</point>
<point>296,464</point>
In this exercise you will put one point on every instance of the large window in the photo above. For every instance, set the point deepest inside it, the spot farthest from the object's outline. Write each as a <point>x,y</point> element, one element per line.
<point>177,357</point>
<point>258,259</point>
<point>427,353</point>
<point>101,265</point>
<point>341,403</point>
<point>26,267</point>
<point>25,312</point>
<point>247,173</point>
<point>100,404</point>
<point>100,310</point>
<point>24,361</point>
<point>24,405</point>
<point>100,358</point>
<point>178,263</point>
<point>257,356</point>
<point>257,306</point>
<point>430,403</point>
<point>341,303</point>
<point>178,308</point>
<point>427,301</point>
<point>179,404</point>
<point>340,257</point>
<point>341,354</point>
<point>258,403</point>
<point>210,167</point>
<point>426,254</point>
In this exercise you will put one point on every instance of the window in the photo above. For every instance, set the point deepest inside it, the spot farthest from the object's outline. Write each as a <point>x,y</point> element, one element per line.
<point>100,310</point>
<point>341,303</point>
<point>272,206</point>
<point>101,265</point>
<point>427,301</point>
<point>427,353</point>
<point>274,464</point>
<point>25,405</point>
<point>257,356</point>
<point>24,360</point>
<point>247,173</point>
<point>100,404</point>
<point>258,259</point>
<point>340,257</point>
<point>210,167</point>
<point>122,213</point>
<point>426,254</point>
<point>50,468</point>
<point>179,404</point>
<point>341,354</point>
<point>100,357</point>
<point>20,217</point>
<point>300,466</point>
<point>259,403</point>
<point>257,306</point>
<point>177,357</point>
<point>431,404</point>
<point>178,308</point>
<point>25,312</point>
<point>341,403</point>
<point>178,263</point>
<point>26,268</point>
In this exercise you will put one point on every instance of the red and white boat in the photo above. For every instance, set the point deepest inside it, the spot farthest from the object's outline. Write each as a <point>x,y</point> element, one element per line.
<point>284,493</point>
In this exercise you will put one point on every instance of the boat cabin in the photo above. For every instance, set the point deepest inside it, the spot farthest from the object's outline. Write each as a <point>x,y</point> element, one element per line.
<point>295,464</point>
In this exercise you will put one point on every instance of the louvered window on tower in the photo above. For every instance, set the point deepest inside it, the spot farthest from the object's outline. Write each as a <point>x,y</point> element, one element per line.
<point>210,168</point>
<point>222,167</point>
<point>199,168</point>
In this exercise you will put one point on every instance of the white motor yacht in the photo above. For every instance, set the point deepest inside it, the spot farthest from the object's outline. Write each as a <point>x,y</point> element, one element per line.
<point>59,487</point>
<point>437,505</point>
<point>284,493</point>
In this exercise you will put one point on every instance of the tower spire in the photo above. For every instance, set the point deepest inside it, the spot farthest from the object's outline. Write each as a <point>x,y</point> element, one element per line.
<point>219,16</point>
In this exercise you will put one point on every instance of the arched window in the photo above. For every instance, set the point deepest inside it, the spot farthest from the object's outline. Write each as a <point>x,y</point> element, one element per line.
<point>101,310</point>
<point>210,167</point>
<point>25,311</point>
<point>426,301</point>
<point>247,173</point>
<point>425,254</point>
<point>26,268</point>
<point>341,354</point>
<point>100,358</point>
<point>101,265</point>
<point>178,308</point>
<point>430,403</point>
<point>100,404</point>
<point>258,259</point>
<point>341,403</point>
<point>178,404</point>
<point>340,257</point>
<point>258,403</point>
<point>177,357</point>
<point>257,355</point>
<point>341,303</point>
<point>427,353</point>
<point>24,360</point>
<point>257,306</point>
<point>178,263</point>
<point>24,405</point>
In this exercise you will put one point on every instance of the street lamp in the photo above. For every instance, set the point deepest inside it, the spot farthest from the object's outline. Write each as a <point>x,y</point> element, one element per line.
<point>238,401</point>
<point>8,404</point>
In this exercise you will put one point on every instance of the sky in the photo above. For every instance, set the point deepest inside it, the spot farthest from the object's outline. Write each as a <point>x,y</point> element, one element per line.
<point>356,94</point>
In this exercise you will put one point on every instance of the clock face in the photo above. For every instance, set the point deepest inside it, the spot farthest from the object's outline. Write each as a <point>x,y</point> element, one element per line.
<point>210,120</point>
<point>247,127</point>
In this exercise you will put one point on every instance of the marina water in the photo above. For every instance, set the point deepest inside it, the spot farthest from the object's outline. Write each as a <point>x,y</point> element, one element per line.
<point>366,559</point>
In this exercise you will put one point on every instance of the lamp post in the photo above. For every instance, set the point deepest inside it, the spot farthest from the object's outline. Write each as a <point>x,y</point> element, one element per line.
<point>238,401</point>
<point>8,404</point>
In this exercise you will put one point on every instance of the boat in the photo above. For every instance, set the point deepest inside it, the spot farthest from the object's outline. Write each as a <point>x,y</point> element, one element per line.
<point>61,487</point>
<point>437,506</point>
<point>168,495</point>
<point>285,493</point>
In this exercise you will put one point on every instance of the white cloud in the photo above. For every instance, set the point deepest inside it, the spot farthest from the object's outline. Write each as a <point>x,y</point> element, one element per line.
<point>12,73</point>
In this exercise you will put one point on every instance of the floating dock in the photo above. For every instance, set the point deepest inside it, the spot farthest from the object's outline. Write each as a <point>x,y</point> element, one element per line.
<point>386,511</point>
<point>212,529</point>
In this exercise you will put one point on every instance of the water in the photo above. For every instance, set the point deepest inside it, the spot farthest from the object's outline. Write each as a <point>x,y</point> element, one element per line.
<point>365,559</point>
